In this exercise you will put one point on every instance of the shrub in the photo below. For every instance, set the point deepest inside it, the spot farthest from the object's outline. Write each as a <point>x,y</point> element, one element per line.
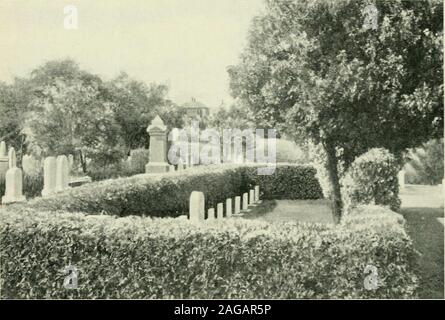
<point>135,257</point>
<point>168,194</point>
<point>372,179</point>
<point>138,159</point>
<point>287,182</point>
<point>111,171</point>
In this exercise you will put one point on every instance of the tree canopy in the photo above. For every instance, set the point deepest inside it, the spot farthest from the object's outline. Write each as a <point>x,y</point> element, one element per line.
<point>63,109</point>
<point>315,70</point>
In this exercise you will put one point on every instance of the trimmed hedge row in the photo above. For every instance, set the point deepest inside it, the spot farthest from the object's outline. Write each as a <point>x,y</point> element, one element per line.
<point>137,257</point>
<point>287,182</point>
<point>169,194</point>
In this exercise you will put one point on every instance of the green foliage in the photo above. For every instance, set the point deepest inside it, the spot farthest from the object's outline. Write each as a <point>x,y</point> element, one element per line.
<point>111,171</point>
<point>169,194</point>
<point>69,115</point>
<point>426,164</point>
<point>287,182</point>
<point>62,109</point>
<point>311,67</point>
<point>135,257</point>
<point>236,116</point>
<point>12,113</point>
<point>372,179</point>
<point>311,70</point>
<point>135,105</point>
<point>139,158</point>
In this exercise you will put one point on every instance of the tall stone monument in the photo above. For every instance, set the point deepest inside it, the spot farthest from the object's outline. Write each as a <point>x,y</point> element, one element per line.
<point>14,181</point>
<point>158,147</point>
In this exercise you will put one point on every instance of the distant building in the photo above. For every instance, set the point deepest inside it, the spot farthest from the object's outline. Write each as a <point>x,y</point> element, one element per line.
<point>195,108</point>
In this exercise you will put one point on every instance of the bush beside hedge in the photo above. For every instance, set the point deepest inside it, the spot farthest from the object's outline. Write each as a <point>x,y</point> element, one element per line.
<point>136,257</point>
<point>372,179</point>
<point>169,194</point>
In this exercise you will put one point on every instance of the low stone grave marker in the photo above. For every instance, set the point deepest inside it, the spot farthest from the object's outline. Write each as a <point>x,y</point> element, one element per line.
<point>211,214</point>
<point>237,209</point>
<point>228,208</point>
<point>220,211</point>
<point>197,207</point>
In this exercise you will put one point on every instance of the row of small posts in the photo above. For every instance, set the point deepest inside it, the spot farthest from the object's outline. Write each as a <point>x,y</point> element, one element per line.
<point>197,206</point>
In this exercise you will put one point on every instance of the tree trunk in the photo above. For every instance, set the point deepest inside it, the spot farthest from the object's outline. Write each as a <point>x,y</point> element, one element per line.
<point>83,162</point>
<point>332,166</point>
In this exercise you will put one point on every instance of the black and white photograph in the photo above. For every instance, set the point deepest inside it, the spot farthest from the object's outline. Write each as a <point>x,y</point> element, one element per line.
<point>239,151</point>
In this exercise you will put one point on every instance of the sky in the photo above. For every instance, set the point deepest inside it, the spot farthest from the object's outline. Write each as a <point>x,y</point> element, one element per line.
<point>186,44</point>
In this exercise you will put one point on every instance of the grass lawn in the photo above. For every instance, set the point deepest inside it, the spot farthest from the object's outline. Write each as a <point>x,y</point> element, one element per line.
<point>421,207</point>
<point>291,210</point>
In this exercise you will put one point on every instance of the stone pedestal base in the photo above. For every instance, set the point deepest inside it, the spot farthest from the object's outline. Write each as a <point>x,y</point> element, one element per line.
<point>157,167</point>
<point>8,199</point>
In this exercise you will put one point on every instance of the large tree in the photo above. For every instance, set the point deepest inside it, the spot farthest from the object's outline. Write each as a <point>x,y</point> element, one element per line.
<point>135,105</point>
<point>324,70</point>
<point>70,115</point>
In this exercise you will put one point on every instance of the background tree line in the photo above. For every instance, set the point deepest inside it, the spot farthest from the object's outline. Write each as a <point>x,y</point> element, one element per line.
<point>62,109</point>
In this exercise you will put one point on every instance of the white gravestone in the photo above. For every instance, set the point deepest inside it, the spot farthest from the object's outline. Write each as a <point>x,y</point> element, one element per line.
<point>228,208</point>
<point>49,176</point>
<point>251,197</point>
<point>13,181</point>
<point>257,193</point>
<point>245,201</point>
<point>220,211</point>
<point>197,207</point>
<point>237,205</point>
<point>211,214</point>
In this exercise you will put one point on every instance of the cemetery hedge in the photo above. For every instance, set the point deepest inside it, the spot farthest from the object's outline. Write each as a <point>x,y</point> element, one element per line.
<point>166,195</point>
<point>144,257</point>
